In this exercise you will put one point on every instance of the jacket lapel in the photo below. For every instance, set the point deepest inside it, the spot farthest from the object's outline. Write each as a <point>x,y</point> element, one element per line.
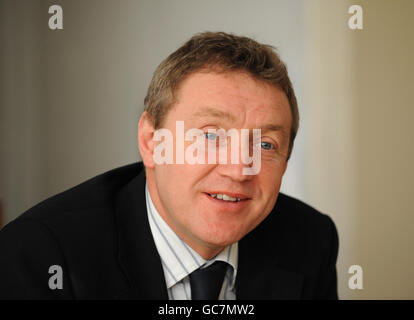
<point>260,274</point>
<point>137,252</point>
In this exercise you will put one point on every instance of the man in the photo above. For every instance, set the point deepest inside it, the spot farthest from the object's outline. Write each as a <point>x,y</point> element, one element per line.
<point>181,229</point>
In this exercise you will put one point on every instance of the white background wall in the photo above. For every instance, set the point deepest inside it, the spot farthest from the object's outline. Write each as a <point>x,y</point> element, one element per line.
<point>70,101</point>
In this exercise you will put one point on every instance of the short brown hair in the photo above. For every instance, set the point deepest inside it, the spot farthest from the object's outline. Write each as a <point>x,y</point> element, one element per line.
<point>225,52</point>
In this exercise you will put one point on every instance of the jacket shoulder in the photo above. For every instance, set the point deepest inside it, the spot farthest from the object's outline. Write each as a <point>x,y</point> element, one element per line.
<point>294,209</point>
<point>308,233</point>
<point>28,252</point>
<point>75,230</point>
<point>93,195</point>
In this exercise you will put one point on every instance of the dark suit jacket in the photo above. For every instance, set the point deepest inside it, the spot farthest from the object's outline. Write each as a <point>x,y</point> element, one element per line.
<point>99,234</point>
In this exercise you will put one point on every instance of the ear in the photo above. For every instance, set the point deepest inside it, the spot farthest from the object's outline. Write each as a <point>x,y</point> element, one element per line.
<point>145,139</point>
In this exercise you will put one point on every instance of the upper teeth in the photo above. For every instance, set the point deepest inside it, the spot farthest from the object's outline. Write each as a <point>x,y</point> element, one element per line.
<point>224,197</point>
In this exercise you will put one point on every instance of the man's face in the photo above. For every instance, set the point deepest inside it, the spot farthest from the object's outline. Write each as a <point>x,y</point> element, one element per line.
<point>182,192</point>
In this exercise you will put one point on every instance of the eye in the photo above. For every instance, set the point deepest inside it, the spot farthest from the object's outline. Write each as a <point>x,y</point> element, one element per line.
<point>267,145</point>
<point>210,136</point>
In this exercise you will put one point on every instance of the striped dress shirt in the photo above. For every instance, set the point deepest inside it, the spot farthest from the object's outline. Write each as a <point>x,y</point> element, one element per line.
<point>179,260</point>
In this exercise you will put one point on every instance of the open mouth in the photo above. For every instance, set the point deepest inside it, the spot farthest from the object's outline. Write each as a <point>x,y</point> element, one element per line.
<point>226,197</point>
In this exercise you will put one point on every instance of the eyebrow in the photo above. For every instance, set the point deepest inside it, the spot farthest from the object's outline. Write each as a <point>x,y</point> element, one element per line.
<point>273,127</point>
<point>216,113</point>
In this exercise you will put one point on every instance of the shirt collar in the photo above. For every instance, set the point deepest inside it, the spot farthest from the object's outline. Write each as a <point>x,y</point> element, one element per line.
<point>179,259</point>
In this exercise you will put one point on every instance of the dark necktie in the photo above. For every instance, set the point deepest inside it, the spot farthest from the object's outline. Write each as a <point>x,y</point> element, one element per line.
<point>207,282</point>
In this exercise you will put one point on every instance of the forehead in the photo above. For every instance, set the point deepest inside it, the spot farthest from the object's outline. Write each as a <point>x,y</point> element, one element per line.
<point>231,97</point>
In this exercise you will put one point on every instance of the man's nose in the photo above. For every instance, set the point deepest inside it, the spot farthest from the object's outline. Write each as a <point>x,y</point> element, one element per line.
<point>235,167</point>
<point>234,171</point>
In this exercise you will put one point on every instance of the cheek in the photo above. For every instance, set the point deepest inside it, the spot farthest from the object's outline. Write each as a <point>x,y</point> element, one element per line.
<point>270,181</point>
<point>181,181</point>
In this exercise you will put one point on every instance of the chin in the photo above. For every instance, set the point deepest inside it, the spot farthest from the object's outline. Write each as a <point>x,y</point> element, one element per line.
<point>221,238</point>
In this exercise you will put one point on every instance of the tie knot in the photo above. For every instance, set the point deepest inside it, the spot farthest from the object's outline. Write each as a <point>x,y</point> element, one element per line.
<point>207,282</point>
